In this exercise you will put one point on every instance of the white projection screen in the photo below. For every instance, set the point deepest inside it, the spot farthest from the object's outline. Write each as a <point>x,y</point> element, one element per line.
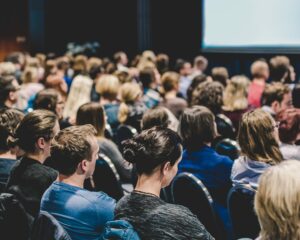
<point>251,26</point>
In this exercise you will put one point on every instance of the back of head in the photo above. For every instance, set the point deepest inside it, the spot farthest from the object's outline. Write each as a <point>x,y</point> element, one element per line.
<point>197,127</point>
<point>7,69</point>
<point>279,68</point>
<point>195,82</point>
<point>235,94</point>
<point>170,81</point>
<point>274,92</point>
<point>92,113</point>
<point>210,95</point>
<point>46,99</point>
<point>71,146</point>
<point>289,127</point>
<point>36,124</point>
<point>152,148</point>
<point>162,63</point>
<point>260,69</point>
<point>130,92</point>
<point>257,139</point>
<point>9,119</point>
<point>296,96</point>
<point>30,75</point>
<point>157,116</point>
<point>277,201</point>
<point>200,62</point>
<point>108,86</point>
<point>80,65</point>
<point>220,74</point>
<point>147,77</point>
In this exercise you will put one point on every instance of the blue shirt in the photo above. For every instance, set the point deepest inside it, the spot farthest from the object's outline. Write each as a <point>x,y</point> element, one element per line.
<point>82,213</point>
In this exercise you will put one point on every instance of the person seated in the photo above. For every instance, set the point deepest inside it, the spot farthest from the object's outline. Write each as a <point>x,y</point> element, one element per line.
<point>170,83</point>
<point>9,88</point>
<point>93,113</point>
<point>82,213</point>
<point>210,95</point>
<point>259,142</point>
<point>50,99</point>
<point>280,69</point>
<point>197,128</point>
<point>9,119</point>
<point>276,97</point>
<point>29,178</point>
<point>156,153</point>
<point>277,202</point>
<point>220,74</point>
<point>184,69</point>
<point>235,99</point>
<point>289,133</point>
<point>260,72</point>
<point>132,108</point>
<point>108,87</point>
<point>159,116</point>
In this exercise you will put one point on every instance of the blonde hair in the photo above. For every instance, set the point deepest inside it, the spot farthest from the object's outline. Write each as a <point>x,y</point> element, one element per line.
<point>170,81</point>
<point>259,68</point>
<point>256,137</point>
<point>235,94</point>
<point>30,75</point>
<point>277,202</point>
<point>7,68</point>
<point>108,86</point>
<point>129,93</point>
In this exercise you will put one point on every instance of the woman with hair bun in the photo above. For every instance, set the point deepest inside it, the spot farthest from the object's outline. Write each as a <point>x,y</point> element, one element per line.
<point>29,178</point>
<point>156,153</point>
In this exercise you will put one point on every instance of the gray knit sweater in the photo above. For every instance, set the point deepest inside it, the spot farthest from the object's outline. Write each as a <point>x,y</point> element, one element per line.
<point>154,219</point>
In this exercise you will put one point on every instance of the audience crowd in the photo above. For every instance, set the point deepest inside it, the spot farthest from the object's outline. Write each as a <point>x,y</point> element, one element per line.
<point>128,129</point>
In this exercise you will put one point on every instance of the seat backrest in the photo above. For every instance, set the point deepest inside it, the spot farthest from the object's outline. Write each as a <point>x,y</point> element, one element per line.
<point>189,191</point>
<point>47,227</point>
<point>105,178</point>
<point>228,147</point>
<point>124,132</point>
<point>240,202</point>
<point>225,126</point>
<point>15,223</point>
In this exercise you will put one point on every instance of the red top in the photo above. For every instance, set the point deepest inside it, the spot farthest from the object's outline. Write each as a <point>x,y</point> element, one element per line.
<point>254,94</point>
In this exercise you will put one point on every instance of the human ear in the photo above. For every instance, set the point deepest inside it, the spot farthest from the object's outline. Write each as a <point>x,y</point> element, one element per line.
<point>41,142</point>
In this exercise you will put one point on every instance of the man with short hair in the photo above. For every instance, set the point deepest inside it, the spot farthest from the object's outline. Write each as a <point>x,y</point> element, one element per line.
<point>9,87</point>
<point>280,68</point>
<point>276,97</point>
<point>82,213</point>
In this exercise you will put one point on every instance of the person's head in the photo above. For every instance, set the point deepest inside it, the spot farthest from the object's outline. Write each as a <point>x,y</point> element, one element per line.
<point>108,86</point>
<point>129,94</point>
<point>17,58</point>
<point>289,127</point>
<point>260,69</point>
<point>50,99</point>
<point>279,68</point>
<point>220,74</point>
<point>162,63</point>
<point>155,152</point>
<point>121,58</point>
<point>258,137</point>
<point>147,77</point>
<point>183,67</point>
<point>277,201</point>
<point>30,75</point>
<point>197,127</point>
<point>35,132</point>
<point>235,94</point>
<point>7,69</point>
<point>200,63</point>
<point>195,82</point>
<point>9,119</point>
<point>80,65</point>
<point>277,96</point>
<point>9,87</point>
<point>92,113</point>
<point>74,150</point>
<point>159,116</point>
<point>210,95</point>
<point>170,81</point>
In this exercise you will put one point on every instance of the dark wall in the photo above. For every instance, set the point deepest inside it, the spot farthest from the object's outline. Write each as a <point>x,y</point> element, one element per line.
<point>113,23</point>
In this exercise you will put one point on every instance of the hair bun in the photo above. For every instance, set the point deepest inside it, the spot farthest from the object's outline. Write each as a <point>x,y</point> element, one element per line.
<point>12,141</point>
<point>129,155</point>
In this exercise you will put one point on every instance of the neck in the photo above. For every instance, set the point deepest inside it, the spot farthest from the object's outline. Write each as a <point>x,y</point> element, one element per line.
<point>38,157</point>
<point>171,94</point>
<point>73,180</point>
<point>8,155</point>
<point>148,184</point>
